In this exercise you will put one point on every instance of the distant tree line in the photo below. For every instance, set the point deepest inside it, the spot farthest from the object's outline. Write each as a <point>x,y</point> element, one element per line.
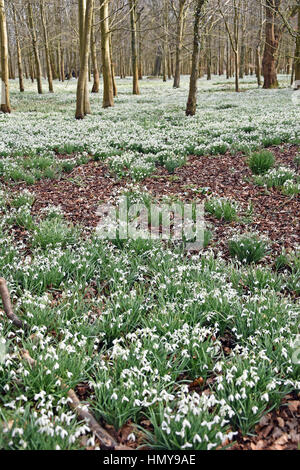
<point>84,39</point>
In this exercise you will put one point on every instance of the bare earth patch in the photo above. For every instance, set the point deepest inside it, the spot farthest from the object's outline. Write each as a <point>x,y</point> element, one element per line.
<point>275,214</point>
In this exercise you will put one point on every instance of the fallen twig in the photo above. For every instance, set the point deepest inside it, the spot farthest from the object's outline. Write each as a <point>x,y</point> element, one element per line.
<point>107,442</point>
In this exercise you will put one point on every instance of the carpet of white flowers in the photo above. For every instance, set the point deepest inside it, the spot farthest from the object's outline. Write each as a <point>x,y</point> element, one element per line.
<point>137,321</point>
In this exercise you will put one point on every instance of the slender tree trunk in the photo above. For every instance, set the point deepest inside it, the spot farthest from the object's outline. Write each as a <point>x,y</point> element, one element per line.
<point>10,64</point>
<point>140,47</point>
<point>258,65</point>
<point>35,48</point>
<point>58,56</point>
<point>115,91</point>
<point>179,41</point>
<point>26,71</point>
<point>31,68</point>
<point>165,40</point>
<point>242,61</point>
<point>192,99</point>
<point>208,57</point>
<point>5,99</point>
<point>62,63</point>
<point>108,93</point>
<point>134,54</point>
<point>227,59</point>
<point>297,54</point>
<point>19,54</point>
<point>169,64</point>
<point>85,10</point>
<point>271,45</point>
<point>47,54</point>
<point>236,68</point>
<point>96,76</point>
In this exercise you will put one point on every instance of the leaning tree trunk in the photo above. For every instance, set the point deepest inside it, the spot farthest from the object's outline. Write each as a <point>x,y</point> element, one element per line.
<point>179,40</point>
<point>47,54</point>
<point>108,93</point>
<point>192,99</point>
<point>5,101</point>
<point>19,54</point>
<point>35,48</point>
<point>85,26</point>
<point>271,45</point>
<point>134,53</point>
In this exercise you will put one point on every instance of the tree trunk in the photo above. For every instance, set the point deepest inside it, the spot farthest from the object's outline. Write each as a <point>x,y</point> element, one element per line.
<point>35,48</point>
<point>179,41</point>
<point>242,60</point>
<point>134,54</point>
<point>165,40</point>
<point>19,54</point>
<point>5,99</point>
<point>157,63</point>
<point>297,54</point>
<point>140,47</point>
<point>192,99</point>
<point>108,94</point>
<point>47,54</point>
<point>258,65</point>
<point>115,91</point>
<point>271,45</point>
<point>85,25</point>
<point>236,68</point>
<point>62,63</point>
<point>208,57</point>
<point>96,84</point>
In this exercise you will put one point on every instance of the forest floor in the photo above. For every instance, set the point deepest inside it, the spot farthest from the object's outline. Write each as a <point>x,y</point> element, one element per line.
<point>170,349</point>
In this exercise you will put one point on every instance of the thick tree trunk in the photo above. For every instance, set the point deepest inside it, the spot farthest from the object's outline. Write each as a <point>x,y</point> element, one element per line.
<point>108,94</point>
<point>134,54</point>
<point>19,54</point>
<point>85,24</point>
<point>47,54</point>
<point>271,45</point>
<point>5,99</point>
<point>35,48</point>
<point>192,99</point>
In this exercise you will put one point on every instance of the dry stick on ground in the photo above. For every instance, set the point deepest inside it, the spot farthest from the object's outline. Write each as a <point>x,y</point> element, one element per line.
<point>106,440</point>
